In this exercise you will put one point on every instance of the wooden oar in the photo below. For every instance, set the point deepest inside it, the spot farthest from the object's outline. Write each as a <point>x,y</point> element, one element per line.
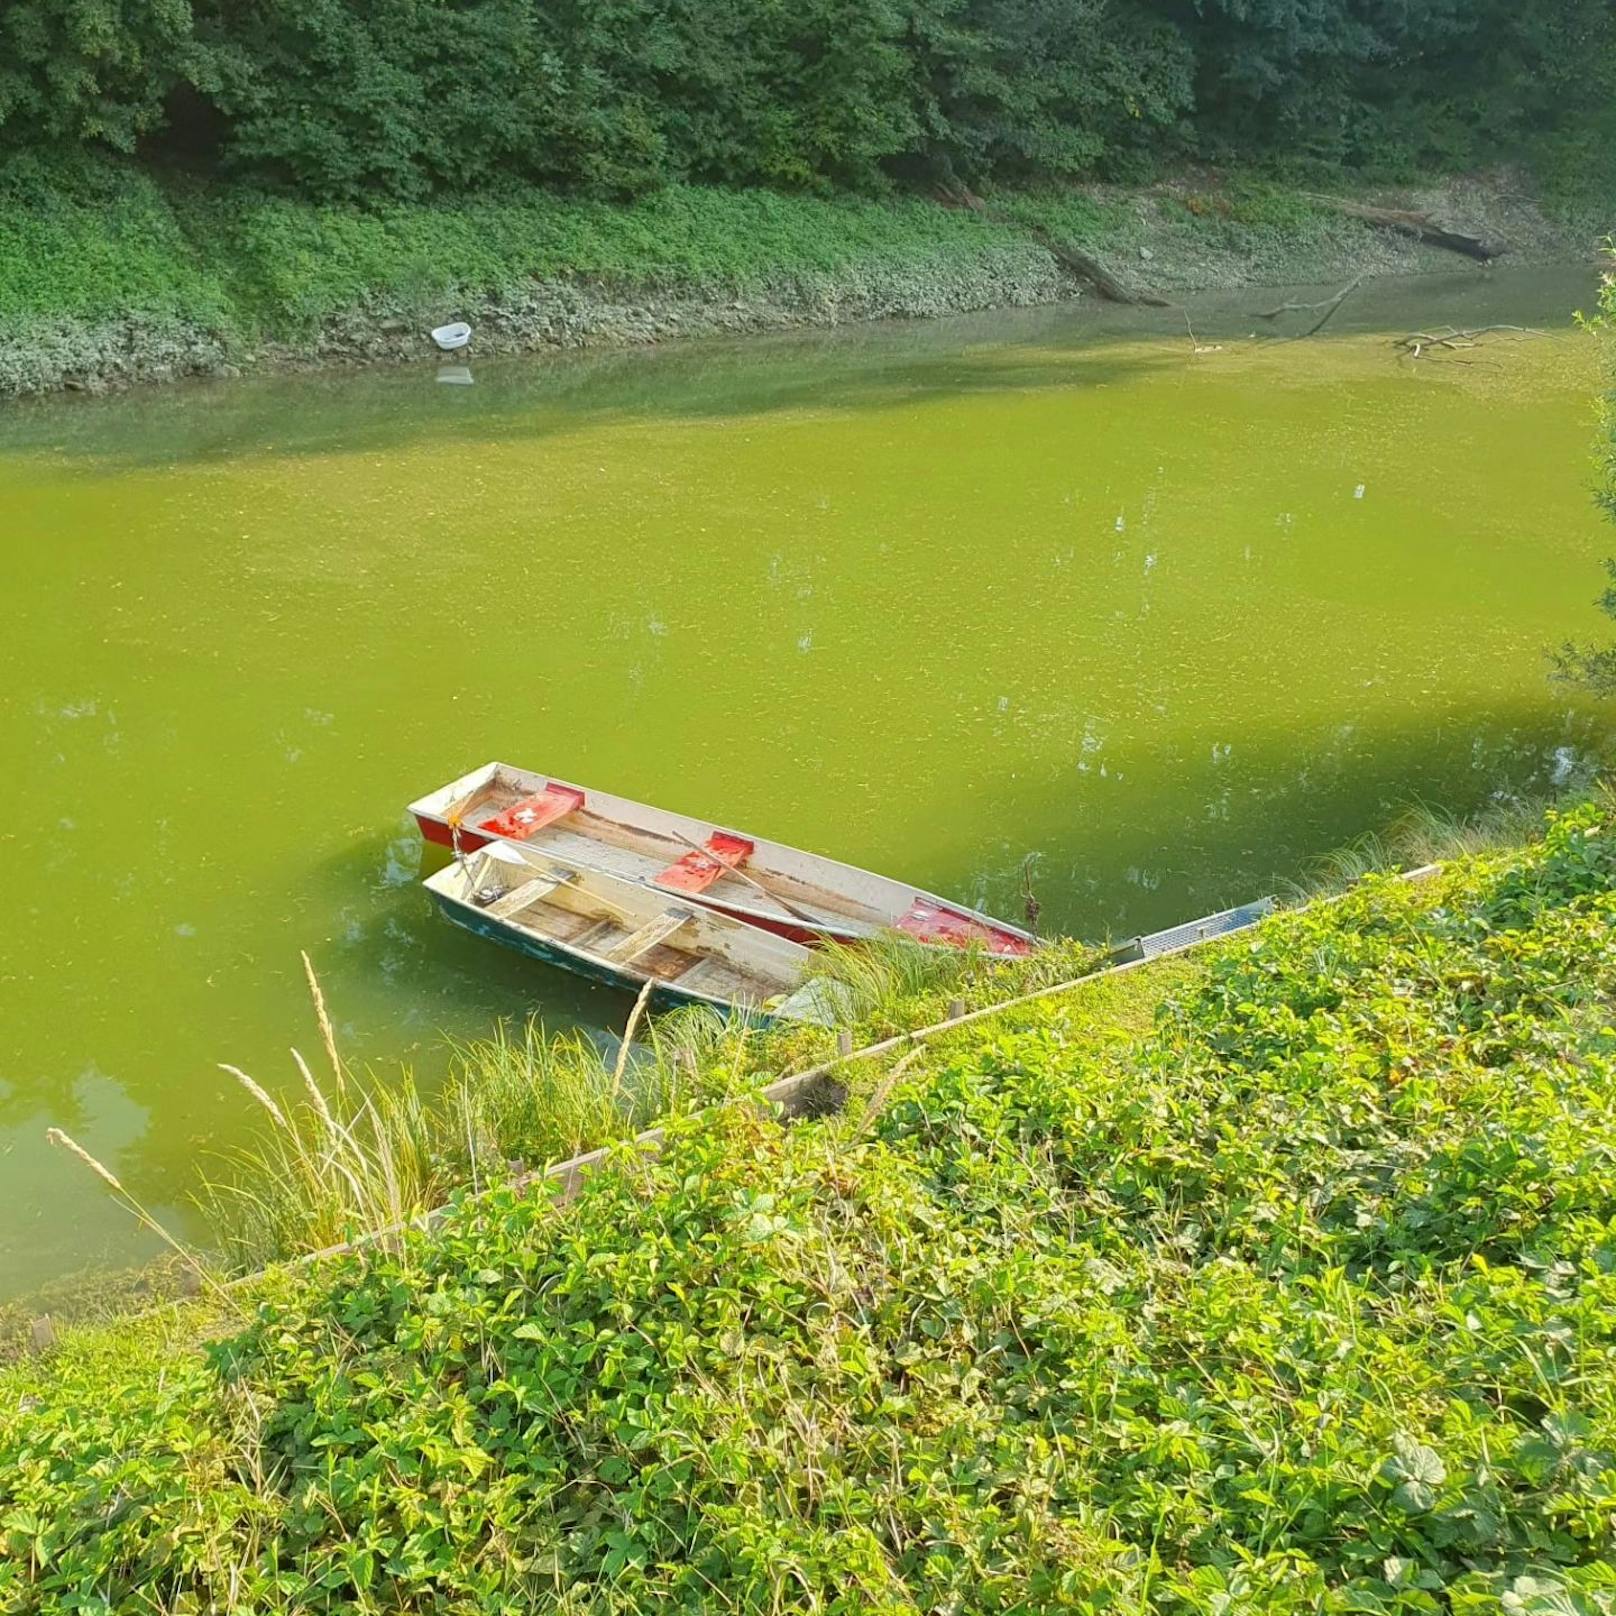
<point>815,921</point>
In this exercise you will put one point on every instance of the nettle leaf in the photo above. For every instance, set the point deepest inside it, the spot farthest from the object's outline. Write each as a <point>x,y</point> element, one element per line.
<point>1414,1473</point>
<point>1544,1596</point>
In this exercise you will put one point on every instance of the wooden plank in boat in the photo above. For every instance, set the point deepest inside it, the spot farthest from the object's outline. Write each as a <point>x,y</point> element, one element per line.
<point>518,898</point>
<point>648,936</point>
<point>714,978</point>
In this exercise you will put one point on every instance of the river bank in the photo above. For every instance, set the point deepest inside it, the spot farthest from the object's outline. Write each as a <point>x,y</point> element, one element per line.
<point>121,276</point>
<point>1357,1164</point>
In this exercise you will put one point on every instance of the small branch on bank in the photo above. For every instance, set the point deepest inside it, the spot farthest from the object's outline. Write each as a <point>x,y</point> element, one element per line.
<point>1196,345</point>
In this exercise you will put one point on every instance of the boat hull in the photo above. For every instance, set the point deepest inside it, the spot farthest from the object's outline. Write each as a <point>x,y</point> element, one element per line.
<point>437,832</point>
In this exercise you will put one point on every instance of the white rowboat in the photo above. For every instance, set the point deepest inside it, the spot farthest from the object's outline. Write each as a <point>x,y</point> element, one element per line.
<point>798,895</point>
<point>627,935</point>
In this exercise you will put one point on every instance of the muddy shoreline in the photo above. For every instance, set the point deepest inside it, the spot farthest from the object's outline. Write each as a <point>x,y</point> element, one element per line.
<point>1167,241</point>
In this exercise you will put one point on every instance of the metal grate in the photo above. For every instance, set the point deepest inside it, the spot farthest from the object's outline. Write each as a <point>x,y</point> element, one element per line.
<point>1193,931</point>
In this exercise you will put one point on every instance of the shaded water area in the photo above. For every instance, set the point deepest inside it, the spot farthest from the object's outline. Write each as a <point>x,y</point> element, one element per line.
<point>931,599</point>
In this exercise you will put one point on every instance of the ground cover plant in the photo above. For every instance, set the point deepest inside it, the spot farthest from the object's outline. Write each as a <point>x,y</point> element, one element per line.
<point>1280,1280</point>
<point>97,239</point>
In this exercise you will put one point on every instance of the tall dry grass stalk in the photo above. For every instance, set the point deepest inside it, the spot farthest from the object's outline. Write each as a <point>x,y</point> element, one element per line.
<point>132,1204</point>
<point>630,1028</point>
<point>370,1155</point>
<point>327,1036</point>
<point>258,1093</point>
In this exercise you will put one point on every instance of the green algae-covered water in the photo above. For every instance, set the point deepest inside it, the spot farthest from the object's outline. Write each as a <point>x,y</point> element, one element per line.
<point>930,599</point>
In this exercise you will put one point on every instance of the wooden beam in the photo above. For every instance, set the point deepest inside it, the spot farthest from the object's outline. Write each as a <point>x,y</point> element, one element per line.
<point>648,936</point>
<point>518,898</point>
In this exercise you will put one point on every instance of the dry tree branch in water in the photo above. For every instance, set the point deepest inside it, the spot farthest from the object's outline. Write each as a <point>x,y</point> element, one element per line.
<point>1310,308</point>
<point>1455,339</point>
<point>1330,306</point>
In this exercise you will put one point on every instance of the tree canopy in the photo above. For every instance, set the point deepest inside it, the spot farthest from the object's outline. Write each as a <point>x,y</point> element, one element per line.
<point>344,98</point>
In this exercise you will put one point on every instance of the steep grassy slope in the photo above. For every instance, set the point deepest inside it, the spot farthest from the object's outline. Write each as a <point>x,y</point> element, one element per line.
<point>1280,1281</point>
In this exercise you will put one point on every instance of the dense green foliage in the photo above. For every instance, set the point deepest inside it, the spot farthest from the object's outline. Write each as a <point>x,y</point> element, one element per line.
<point>408,97</point>
<point>88,72</point>
<point>111,271</point>
<point>1300,1298</point>
<point>111,240</point>
<point>1366,81</point>
<point>1594,666</point>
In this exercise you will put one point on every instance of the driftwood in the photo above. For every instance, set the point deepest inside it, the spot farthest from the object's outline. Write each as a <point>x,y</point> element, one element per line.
<point>1421,226</point>
<point>1090,269</point>
<point>1329,305</point>
<point>1083,265</point>
<point>1454,339</point>
<point>1309,308</point>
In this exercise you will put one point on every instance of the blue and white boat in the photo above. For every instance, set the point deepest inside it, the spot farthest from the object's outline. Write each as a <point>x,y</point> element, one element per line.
<point>625,935</point>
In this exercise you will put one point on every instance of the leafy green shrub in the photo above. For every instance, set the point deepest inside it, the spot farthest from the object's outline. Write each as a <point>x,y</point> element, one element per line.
<point>87,73</point>
<point>616,100</point>
<point>1594,666</point>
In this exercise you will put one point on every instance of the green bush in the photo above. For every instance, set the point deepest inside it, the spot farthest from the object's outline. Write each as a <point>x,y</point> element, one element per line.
<point>88,73</point>
<point>1593,667</point>
<point>1299,1299</point>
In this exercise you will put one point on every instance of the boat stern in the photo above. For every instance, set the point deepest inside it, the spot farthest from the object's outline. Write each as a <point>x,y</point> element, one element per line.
<point>434,813</point>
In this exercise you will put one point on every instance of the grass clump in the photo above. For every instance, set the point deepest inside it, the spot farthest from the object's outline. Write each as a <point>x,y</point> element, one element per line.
<point>358,1154</point>
<point>891,984</point>
<point>528,1096</point>
<point>1275,1281</point>
<point>369,1155</point>
<point>1423,834</point>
